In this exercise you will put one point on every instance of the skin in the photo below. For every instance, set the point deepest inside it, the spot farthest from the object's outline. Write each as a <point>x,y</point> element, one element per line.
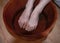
<point>26,13</point>
<point>31,24</point>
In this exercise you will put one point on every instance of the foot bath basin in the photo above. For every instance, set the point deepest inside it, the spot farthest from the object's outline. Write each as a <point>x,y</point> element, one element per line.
<point>12,12</point>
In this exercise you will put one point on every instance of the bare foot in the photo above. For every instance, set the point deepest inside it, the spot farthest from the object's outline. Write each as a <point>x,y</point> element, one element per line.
<point>33,22</point>
<point>23,18</point>
<point>26,13</point>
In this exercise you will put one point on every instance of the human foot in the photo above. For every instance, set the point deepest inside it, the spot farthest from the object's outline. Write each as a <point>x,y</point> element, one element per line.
<point>26,13</point>
<point>33,22</point>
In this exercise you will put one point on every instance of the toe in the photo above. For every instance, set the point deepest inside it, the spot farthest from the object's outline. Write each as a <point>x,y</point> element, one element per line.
<point>32,28</point>
<point>20,24</point>
<point>27,28</point>
<point>25,24</point>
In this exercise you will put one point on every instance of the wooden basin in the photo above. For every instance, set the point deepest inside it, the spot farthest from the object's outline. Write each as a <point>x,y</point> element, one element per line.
<point>47,19</point>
